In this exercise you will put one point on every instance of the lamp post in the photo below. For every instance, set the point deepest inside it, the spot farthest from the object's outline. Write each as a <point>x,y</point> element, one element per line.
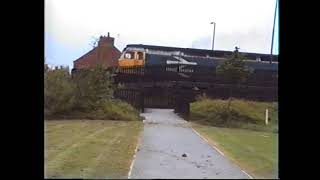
<point>274,21</point>
<point>214,30</point>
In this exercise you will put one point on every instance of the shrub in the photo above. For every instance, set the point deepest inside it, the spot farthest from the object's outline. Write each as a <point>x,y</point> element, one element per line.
<point>86,95</point>
<point>110,110</point>
<point>58,91</point>
<point>119,110</point>
<point>242,114</point>
<point>93,87</point>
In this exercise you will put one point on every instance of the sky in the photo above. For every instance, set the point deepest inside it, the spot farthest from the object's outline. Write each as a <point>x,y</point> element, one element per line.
<point>72,25</point>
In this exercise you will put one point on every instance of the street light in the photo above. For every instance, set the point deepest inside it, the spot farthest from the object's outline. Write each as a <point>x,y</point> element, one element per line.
<point>274,21</point>
<point>214,30</point>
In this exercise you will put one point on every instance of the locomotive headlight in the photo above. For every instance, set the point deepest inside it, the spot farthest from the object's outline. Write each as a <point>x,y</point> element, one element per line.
<point>127,56</point>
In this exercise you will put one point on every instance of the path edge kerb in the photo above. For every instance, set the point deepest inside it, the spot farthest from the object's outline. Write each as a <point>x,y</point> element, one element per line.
<point>135,154</point>
<point>219,151</point>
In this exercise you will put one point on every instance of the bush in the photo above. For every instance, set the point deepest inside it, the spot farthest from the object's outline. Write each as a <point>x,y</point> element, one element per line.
<point>242,114</point>
<point>119,110</point>
<point>58,91</point>
<point>86,95</point>
<point>93,87</point>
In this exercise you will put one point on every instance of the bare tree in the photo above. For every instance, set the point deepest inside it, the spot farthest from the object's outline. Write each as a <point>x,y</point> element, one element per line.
<point>94,42</point>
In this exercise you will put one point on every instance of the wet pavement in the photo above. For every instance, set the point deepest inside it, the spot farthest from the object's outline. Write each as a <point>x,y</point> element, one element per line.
<point>165,138</point>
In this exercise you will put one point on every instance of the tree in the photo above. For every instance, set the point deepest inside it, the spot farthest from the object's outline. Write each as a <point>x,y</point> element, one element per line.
<point>94,42</point>
<point>93,87</point>
<point>234,72</point>
<point>85,91</point>
<point>58,91</point>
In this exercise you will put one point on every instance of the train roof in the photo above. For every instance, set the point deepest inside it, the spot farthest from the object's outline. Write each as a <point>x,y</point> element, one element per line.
<point>205,52</point>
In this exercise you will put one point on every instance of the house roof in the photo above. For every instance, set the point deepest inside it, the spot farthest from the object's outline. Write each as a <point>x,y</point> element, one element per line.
<point>205,52</point>
<point>92,51</point>
<point>85,54</point>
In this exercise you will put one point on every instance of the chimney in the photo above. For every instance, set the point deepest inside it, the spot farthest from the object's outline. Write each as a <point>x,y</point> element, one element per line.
<point>106,41</point>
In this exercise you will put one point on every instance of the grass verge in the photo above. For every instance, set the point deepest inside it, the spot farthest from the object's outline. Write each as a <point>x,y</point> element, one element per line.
<point>255,152</point>
<point>90,148</point>
<point>240,132</point>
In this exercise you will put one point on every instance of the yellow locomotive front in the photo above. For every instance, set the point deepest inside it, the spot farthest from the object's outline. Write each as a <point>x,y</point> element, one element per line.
<point>132,58</point>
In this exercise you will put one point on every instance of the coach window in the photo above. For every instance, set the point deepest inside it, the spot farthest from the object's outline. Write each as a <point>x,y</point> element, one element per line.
<point>140,55</point>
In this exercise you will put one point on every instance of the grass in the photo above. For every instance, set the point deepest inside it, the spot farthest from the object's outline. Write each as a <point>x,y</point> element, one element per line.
<point>241,132</point>
<point>89,148</point>
<point>255,152</point>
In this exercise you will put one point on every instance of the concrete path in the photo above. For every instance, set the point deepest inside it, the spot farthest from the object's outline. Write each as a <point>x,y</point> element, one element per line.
<point>165,138</point>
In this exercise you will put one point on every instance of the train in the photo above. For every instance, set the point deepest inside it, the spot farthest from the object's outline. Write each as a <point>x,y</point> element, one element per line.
<point>159,70</point>
<point>147,55</point>
<point>187,60</point>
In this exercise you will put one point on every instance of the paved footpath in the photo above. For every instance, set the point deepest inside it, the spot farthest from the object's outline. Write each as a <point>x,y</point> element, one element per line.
<point>165,138</point>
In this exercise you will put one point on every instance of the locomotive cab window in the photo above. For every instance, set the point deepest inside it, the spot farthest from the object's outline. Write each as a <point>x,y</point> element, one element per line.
<point>140,55</point>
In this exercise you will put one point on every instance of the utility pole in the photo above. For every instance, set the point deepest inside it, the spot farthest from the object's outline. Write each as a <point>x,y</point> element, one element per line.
<point>274,21</point>
<point>214,30</point>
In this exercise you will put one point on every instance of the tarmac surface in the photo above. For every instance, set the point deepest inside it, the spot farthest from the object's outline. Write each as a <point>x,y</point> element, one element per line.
<point>165,140</point>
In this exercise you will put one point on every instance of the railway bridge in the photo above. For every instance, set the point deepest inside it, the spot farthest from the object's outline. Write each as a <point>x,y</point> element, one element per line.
<point>171,87</point>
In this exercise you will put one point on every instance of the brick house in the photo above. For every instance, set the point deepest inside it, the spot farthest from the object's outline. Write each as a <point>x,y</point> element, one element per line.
<point>105,54</point>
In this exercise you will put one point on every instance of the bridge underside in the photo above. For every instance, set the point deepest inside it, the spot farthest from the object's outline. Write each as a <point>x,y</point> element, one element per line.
<point>179,94</point>
<point>158,87</point>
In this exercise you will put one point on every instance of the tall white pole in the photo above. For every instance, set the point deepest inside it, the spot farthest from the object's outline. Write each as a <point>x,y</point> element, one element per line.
<point>213,34</point>
<point>267,114</point>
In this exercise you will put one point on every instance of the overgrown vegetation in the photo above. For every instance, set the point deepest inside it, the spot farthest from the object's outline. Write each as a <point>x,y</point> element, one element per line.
<point>241,114</point>
<point>58,91</point>
<point>88,94</point>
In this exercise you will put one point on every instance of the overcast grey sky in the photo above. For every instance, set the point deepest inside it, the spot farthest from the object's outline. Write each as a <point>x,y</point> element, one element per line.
<point>70,25</point>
